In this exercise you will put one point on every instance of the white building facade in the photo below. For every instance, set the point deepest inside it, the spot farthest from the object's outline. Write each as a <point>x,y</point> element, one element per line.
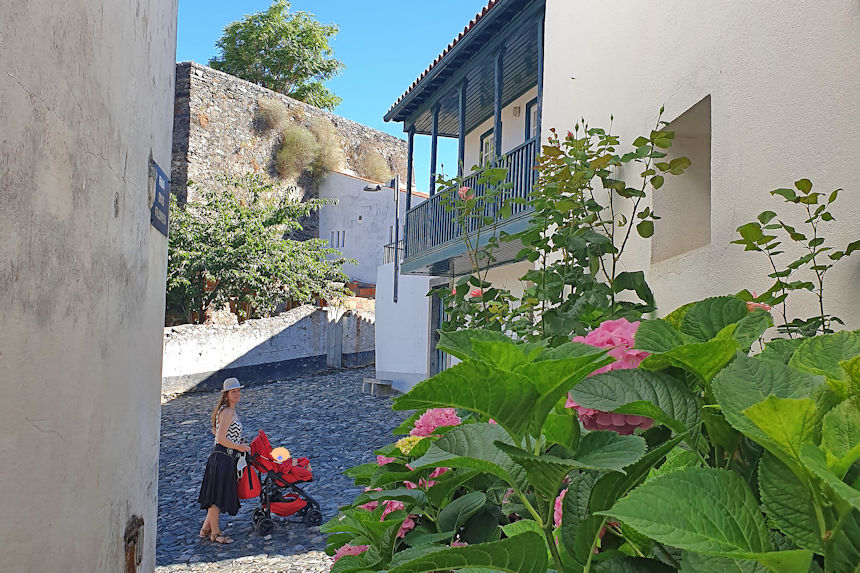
<point>759,94</point>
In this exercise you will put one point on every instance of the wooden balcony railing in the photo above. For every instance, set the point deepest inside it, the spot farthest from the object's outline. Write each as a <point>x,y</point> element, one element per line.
<point>430,224</point>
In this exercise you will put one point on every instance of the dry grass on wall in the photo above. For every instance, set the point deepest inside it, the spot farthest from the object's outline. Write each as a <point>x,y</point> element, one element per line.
<point>298,149</point>
<point>329,154</point>
<point>273,113</point>
<point>370,164</point>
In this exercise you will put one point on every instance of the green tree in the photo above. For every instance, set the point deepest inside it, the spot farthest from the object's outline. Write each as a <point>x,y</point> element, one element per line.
<point>224,249</point>
<point>287,53</point>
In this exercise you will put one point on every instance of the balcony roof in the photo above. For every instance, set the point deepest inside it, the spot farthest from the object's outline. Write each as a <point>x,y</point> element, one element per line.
<point>463,59</point>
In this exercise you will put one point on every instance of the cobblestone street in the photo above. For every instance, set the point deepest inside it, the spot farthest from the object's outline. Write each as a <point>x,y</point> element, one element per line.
<point>325,418</point>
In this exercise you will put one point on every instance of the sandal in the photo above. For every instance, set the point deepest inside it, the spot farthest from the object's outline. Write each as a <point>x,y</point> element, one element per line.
<point>221,538</point>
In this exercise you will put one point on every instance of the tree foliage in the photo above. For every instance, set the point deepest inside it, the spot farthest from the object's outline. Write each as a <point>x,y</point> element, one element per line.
<point>225,249</point>
<point>286,52</point>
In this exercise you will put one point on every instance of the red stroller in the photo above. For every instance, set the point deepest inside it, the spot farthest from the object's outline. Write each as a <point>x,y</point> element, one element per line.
<point>278,490</point>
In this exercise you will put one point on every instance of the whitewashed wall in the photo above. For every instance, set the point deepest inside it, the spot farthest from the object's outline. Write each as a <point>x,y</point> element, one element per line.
<point>402,328</point>
<point>513,129</point>
<point>365,220</point>
<point>784,84</point>
<point>86,98</point>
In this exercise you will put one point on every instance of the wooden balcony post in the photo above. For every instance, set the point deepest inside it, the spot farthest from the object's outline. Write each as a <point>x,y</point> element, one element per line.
<point>540,40</point>
<point>410,150</point>
<point>433,148</point>
<point>497,118</point>
<point>461,144</point>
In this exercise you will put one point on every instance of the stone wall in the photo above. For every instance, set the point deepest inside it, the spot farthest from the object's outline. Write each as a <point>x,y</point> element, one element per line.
<point>217,132</point>
<point>200,357</point>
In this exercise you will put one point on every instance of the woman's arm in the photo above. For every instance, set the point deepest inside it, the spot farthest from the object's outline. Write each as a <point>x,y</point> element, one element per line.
<point>225,418</point>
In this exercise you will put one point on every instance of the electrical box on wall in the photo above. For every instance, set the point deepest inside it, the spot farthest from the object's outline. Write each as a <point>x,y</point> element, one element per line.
<point>133,544</point>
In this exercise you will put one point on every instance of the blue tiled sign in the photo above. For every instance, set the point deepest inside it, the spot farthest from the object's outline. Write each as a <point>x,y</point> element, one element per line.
<point>161,203</point>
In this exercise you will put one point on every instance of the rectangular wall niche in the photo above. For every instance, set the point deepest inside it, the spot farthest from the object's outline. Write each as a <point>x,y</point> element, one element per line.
<point>684,201</point>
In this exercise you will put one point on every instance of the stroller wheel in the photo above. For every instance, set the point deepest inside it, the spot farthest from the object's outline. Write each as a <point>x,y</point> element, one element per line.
<point>257,515</point>
<point>313,517</point>
<point>265,526</point>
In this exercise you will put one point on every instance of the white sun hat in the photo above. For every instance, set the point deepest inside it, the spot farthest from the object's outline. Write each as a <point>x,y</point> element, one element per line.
<point>231,384</point>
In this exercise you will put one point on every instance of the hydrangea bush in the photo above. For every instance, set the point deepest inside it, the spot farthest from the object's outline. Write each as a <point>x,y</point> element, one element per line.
<point>712,458</point>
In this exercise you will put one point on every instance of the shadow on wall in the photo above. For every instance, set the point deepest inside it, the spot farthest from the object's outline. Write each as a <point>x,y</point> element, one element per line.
<point>301,341</point>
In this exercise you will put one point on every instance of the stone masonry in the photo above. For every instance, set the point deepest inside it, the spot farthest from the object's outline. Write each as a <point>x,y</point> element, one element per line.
<point>217,132</point>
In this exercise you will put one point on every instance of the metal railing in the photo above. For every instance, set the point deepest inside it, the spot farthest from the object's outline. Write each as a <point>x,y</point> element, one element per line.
<point>388,252</point>
<point>430,224</point>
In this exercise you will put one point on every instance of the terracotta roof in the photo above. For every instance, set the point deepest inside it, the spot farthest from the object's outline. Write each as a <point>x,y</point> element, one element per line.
<point>490,5</point>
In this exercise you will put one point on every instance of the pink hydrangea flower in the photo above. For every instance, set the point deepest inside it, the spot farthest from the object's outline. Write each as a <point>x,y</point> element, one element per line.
<point>391,505</point>
<point>434,418</point>
<point>464,195</point>
<point>458,543</point>
<point>430,482</point>
<point>382,460</point>
<point>369,506</point>
<point>407,526</point>
<point>557,510</point>
<point>752,305</point>
<point>350,550</point>
<point>476,293</point>
<point>617,335</point>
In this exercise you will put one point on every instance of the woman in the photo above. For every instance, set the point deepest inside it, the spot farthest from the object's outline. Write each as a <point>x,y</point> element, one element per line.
<point>218,491</point>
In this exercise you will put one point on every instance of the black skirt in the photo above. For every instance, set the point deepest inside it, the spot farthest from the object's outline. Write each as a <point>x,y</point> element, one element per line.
<point>219,482</point>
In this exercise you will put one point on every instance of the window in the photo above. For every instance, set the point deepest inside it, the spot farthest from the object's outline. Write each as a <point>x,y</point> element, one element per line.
<point>684,202</point>
<point>338,239</point>
<point>531,119</point>
<point>488,148</point>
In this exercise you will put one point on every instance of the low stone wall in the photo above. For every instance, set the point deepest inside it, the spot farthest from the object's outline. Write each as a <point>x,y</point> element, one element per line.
<point>301,341</point>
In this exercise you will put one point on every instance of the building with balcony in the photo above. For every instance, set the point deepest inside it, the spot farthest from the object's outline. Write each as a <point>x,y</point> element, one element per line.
<point>759,95</point>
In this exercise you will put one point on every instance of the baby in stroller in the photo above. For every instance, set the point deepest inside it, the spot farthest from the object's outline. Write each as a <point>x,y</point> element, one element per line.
<point>276,482</point>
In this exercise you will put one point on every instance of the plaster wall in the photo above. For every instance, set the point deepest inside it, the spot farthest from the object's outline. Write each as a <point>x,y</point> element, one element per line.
<point>403,333</point>
<point>366,221</point>
<point>784,86</point>
<point>86,98</point>
<point>513,129</point>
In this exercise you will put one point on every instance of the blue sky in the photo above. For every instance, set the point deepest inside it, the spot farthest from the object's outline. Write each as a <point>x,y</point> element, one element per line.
<point>385,44</point>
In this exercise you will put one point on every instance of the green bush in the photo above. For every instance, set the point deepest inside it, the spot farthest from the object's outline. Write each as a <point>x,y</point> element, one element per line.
<point>298,149</point>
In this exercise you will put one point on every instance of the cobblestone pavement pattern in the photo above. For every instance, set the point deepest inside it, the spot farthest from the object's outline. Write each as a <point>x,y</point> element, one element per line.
<point>325,418</point>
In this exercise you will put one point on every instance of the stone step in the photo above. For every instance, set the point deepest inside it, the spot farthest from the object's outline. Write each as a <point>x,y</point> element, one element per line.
<point>376,387</point>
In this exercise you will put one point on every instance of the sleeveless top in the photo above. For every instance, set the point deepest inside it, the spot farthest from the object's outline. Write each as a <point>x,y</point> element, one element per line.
<point>234,432</point>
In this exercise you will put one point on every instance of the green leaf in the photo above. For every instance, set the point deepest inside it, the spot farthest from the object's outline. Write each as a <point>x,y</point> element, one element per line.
<point>780,349</point>
<point>676,317</point>
<point>458,511</point>
<point>608,451</point>
<point>524,553</point>
<point>656,336</point>
<point>851,369</point>
<point>752,327</point>
<point>804,185</point>
<point>506,397</point>
<point>645,228</point>
<point>789,503</point>
<point>553,378</point>
<point>821,355</point>
<point>840,436</point>
<point>846,546</point>
<point>701,509</point>
<point>748,381</point>
<point>787,194</point>
<point>816,461</point>
<point>562,429</point>
<point>698,563</point>
<point>707,317</point>
<point>655,395</point>
<point>704,359</point>
<point>626,564</point>
<point>657,181</point>
<point>575,507</point>
<point>788,422</point>
<point>472,446</point>
<point>597,451</point>
<point>460,343</point>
